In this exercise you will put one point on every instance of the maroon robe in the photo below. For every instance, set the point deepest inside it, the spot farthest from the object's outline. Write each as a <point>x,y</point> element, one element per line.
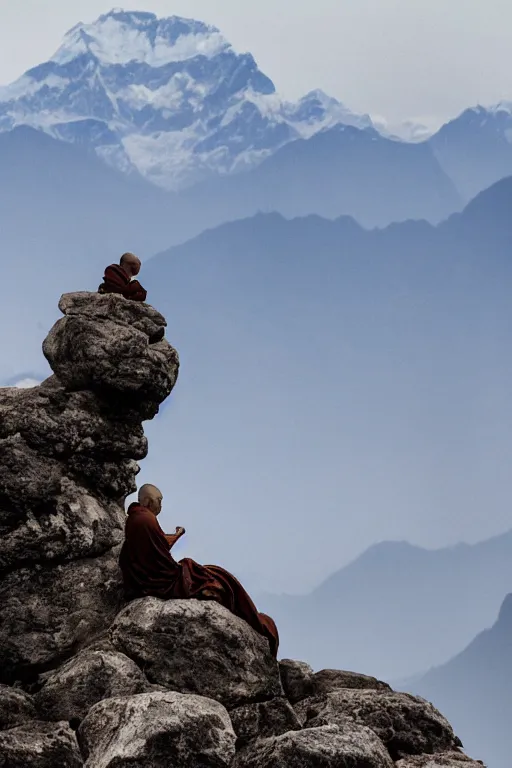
<point>149,570</point>
<point>116,280</point>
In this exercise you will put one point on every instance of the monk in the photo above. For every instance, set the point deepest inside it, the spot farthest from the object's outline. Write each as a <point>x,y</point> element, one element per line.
<point>149,569</point>
<point>120,278</point>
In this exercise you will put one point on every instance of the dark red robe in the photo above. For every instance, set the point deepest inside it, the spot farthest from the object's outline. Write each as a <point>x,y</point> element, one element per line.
<point>116,280</point>
<point>149,570</point>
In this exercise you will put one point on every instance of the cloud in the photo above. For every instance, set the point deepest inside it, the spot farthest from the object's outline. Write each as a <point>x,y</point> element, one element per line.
<point>24,381</point>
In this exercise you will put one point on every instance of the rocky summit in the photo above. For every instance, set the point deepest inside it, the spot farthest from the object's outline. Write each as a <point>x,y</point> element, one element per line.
<point>88,680</point>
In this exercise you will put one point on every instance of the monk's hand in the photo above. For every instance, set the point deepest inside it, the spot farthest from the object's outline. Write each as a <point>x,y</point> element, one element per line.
<point>180,531</point>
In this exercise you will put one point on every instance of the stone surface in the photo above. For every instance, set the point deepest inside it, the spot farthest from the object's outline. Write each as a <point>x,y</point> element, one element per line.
<point>16,707</point>
<point>262,720</point>
<point>102,344</point>
<point>48,613</point>
<point>443,760</point>
<point>68,459</point>
<point>324,747</point>
<point>40,745</point>
<point>234,664</point>
<point>88,678</point>
<point>406,724</point>
<point>297,679</point>
<point>329,680</point>
<point>300,682</point>
<point>157,730</point>
<point>66,523</point>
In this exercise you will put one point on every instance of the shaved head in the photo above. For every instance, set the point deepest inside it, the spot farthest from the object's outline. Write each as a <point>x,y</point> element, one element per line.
<point>130,263</point>
<point>151,497</point>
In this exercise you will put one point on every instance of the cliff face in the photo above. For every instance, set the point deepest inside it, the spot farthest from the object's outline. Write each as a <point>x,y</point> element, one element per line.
<point>152,684</point>
<point>68,453</point>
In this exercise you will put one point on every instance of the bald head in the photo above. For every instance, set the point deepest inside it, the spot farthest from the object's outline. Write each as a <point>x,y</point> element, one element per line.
<point>130,263</point>
<point>151,497</point>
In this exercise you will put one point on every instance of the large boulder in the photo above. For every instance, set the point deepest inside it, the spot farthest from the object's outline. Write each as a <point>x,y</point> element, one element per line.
<point>91,676</point>
<point>326,747</point>
<point>263,719</point>
<point>16,707</point>
<point>104,343</point>
<point>406,724</point>
<point>300,682</point>
<point>40,745</point>
<point>49,612</point>
<point>197,647</point>
<point>157,730</point>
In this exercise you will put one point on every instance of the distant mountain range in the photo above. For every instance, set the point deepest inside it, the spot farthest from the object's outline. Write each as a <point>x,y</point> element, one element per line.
<point>171,99</point>
<point>398,609</point>
<point>474,690</point>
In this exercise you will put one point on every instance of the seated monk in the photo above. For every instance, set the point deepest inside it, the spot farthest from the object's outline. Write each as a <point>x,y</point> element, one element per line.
<point>120,278</point>
<point>150,570</point>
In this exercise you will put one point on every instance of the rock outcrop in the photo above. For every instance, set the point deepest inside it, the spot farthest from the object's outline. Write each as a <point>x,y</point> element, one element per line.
<point>94,682</point>
<point>68,453</point>
<point>234,666</point>
<point>157,729</point>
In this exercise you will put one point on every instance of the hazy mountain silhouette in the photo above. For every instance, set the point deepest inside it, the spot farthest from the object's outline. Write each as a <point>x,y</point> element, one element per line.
<point>343,170</point>
<point>475,691</point>
<point>475,149</point>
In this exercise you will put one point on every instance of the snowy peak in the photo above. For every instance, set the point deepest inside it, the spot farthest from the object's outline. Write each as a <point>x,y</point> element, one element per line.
<point>168,97</point>
<point>122,37</point>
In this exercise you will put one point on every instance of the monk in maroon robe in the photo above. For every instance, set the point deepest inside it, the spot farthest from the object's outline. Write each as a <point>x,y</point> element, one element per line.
<point>120,278</point>
<point>149,570</point>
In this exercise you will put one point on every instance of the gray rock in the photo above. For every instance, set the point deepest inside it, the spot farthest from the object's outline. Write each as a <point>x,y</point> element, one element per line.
<point>58,423</point>
<point>297,679</point>
<point>92,676</point>
<point>107,353</point>
<point>47,613</point>
<point>16,707</point>
<point>157,730</point>
<point>70,524</point>
<point>40,745</point>
<point>443,760</point>
<point>329,680</point>
<point>326,747</point>
<point>406,724</point>
<point>112,307</point>
<point>300,682</point>
<point>197,647</point>
<point>262,720</point>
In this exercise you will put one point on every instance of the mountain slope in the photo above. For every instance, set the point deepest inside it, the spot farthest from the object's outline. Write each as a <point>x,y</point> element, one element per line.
<point>169,97</point>
<point>475,149</point>
<point>475,689</point>
<point>343,170</point>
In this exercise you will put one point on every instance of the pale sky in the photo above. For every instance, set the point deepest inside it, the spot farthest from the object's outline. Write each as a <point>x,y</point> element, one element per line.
<point>420,59</point>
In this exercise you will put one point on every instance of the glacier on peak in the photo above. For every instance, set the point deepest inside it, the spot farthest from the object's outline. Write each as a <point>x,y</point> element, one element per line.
<point>121,37</point>
<point>167,97</point>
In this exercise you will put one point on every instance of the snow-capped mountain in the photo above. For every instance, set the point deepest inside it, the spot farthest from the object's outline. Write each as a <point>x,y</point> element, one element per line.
<point>168,97</point>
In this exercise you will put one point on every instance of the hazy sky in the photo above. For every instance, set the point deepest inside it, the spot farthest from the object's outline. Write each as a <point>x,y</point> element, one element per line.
<point>420,59</point>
